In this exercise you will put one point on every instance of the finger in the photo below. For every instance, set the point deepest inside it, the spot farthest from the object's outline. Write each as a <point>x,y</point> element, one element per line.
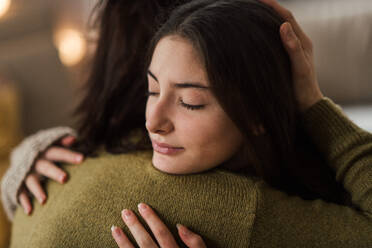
<point>68,141</point>
<point>25,202</point>
<point>139,233</point>
<point>50,170</point>
<point>289,17</point>
<point>158,228</point>
<point>33,185</point>
<point>294,48</point>
<point>192,240</point>
<point>60,154</point>
<point>120,238</point>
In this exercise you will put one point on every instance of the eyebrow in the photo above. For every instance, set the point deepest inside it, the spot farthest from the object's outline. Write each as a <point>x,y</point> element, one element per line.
<point>181,85</point>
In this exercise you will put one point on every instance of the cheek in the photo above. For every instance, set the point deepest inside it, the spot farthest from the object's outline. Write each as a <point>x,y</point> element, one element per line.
<point>213,139</point>
<point>195,131</point>
<point>223,138</point>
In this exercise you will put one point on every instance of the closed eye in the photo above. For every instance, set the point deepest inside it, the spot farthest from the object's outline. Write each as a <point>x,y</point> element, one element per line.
<point>150,93</point>
<point>183,104</point>
<point>191,107</point>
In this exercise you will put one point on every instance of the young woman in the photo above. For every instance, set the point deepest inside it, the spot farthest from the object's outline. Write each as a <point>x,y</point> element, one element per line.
<point>193,101</point>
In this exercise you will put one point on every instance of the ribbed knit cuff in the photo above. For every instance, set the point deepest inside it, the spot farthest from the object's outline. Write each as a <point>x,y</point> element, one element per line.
<point>328,126</point>
<point>21,161</point>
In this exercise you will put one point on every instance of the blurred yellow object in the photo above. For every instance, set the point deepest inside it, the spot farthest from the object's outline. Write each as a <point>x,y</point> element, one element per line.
<point>4,7</point>
<point>9,137</point>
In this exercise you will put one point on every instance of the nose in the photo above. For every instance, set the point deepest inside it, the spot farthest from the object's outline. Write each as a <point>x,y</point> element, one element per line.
<point>158,118</point>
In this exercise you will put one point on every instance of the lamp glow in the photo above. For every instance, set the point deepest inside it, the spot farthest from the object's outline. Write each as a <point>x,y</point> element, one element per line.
<point>4,7</point>
<point>71,46</point>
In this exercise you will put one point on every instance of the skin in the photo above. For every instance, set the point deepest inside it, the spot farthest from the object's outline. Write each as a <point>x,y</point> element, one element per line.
<point>189,118</point>
<point>300,50</point>
<point>45,166</point>
<point>307,91</point>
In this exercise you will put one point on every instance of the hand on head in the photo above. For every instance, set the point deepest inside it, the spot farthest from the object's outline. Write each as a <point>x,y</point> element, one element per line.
<point>300,51</point>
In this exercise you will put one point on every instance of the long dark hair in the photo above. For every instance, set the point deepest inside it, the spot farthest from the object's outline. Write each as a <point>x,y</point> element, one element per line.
<point>114,101</point>
<point>249,72</point>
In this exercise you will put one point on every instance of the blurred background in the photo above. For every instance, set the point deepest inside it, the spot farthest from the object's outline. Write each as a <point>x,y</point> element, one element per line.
<point>46,46</point>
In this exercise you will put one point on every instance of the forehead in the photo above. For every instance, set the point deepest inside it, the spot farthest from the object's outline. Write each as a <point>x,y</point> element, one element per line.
<point>175,57</point>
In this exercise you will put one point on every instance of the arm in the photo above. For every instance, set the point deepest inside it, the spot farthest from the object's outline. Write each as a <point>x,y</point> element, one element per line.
<point>284,221</point>
<point>347,149</point>
<point>292,222</point>
<point>22,159</point>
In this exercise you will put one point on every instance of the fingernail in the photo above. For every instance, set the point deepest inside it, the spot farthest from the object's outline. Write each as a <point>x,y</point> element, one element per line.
<point>78,158</point>
<point>41,200</point>
<point>115,230</point>
<point>63,178</point>
<point>127,214</point>
<point>142,207</point>
<point>183,229</point>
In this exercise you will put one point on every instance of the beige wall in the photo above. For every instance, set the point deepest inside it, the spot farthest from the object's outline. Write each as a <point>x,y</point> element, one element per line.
<point>341,31</point>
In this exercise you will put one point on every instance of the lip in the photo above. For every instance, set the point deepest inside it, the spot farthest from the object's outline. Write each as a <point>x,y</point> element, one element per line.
<point>166,149</point>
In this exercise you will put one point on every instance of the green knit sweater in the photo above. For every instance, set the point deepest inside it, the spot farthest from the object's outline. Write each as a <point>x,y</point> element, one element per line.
<point>227,209</point>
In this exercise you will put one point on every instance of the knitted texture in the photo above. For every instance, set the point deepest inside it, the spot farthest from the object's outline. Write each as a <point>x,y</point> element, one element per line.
<point>81,212</point>
<point>22,159</point>
<point>226,209</point>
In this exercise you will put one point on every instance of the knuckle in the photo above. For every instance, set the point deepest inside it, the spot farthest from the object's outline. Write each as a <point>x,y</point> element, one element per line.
<point>161,233</point>
<point>146,243</point>
<point>44,167</point>
<point>50,151</point>
<point>40,164</point>
<point>30,178</point>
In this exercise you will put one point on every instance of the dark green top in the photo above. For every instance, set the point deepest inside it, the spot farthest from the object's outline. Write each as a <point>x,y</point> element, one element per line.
<point>227,209</point>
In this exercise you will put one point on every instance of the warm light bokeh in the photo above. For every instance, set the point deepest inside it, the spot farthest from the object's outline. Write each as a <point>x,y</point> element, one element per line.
<point>71,46</point>
<point>4,7</point>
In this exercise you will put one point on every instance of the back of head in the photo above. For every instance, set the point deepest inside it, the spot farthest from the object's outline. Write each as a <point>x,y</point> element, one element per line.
<point>114,101</point>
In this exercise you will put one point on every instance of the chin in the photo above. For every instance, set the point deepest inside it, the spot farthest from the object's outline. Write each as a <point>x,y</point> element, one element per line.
<point>168,165</point>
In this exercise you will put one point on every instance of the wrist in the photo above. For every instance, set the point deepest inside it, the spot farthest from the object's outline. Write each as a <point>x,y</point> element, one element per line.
<point>310,101</point>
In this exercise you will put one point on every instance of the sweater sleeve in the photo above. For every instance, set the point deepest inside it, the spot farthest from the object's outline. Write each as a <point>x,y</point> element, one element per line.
<point>22,159</point>
<point>289,221</point>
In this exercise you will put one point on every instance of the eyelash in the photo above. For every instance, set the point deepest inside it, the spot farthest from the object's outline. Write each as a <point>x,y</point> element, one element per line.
<point>185,105</point>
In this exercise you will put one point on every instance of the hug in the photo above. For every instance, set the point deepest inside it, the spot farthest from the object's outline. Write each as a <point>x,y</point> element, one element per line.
<point>206,119</point>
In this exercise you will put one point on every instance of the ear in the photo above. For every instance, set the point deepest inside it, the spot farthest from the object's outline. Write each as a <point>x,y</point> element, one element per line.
<point>258,130</point>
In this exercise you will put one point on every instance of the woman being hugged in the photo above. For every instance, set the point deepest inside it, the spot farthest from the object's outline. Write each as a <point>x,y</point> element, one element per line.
<point>221,98</point>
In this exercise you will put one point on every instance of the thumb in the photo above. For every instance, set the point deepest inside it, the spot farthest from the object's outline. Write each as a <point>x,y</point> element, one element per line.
<point>192,240</point>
